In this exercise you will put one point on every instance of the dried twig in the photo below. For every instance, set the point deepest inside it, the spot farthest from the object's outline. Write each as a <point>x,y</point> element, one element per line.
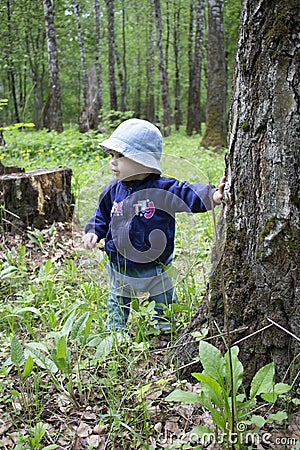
<point>284,329</point>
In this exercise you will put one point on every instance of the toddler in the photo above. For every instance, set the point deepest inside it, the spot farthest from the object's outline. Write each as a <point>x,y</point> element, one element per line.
<point>136,218</point>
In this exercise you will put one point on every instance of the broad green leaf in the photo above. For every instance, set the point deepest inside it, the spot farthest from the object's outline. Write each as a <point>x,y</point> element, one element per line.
<point>61,348</point>
<point>186,397</point>
<point>270,397</point>
<point>93,341</point>
<point>263,381</point>
<point>39,431</point>
<point>28,309</point>
<point>16,352</point>
<point>38,345</point>
<point>104,348</point>
<point>212,361</point>
<point>201,432</point>
<point>218,418</point>
<point>50,447</point>
<point>211,389</point>
<point>29,363</point>
<point>198,335</point>
<point>79,326</point>
<point>40,358</point>
<point>68,325</point>
<point>280,415</point>
<point>282,388</point>
<point>61,363</point>
<point>258,421</point>
<point>237,369</point>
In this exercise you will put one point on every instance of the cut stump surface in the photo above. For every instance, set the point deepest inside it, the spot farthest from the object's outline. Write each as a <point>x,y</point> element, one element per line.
<point>36,198</point>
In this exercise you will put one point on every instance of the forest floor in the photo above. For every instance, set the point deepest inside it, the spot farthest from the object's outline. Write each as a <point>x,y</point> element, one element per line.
<point>104,405</point>
<point>65,384</point>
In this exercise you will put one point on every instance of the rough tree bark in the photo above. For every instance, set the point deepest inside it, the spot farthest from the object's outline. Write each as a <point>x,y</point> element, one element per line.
<point>35,198</point>
<point>216,124</point>
<point>53,111</point>
<point>255,274</point>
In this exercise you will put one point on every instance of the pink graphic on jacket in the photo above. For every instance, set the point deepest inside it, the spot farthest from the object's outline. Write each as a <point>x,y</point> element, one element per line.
<point>144,208</point>
<point>117,209</point>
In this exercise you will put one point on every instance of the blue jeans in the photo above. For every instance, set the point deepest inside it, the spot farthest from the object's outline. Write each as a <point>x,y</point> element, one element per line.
<point>127,282</point>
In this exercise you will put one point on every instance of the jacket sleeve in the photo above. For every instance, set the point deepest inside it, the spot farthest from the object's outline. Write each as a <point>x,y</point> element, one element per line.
<point>195,198</point>
<point>99,222</point>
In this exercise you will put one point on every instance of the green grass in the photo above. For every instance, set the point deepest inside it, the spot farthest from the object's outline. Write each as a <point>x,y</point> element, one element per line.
<point>53,306</point>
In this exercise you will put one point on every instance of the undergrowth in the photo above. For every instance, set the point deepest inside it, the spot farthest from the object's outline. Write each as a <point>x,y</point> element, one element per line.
<point>64,383</point>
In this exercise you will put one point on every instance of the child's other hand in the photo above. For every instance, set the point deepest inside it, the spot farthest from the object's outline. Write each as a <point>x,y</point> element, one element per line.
<point>90,240</point>
<point>218,195</point>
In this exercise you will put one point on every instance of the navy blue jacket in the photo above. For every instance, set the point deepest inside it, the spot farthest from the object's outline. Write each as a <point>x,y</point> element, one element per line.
<point>137,218</point>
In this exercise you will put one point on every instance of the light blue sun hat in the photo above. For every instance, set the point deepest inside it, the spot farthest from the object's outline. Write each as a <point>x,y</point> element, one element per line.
<point>138,140</point>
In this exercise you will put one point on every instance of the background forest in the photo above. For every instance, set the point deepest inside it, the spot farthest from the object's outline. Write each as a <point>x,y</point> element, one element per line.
<point>149,58</point>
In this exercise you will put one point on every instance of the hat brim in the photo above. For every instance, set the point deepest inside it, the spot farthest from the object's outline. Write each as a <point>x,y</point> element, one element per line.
<point>147,159</point>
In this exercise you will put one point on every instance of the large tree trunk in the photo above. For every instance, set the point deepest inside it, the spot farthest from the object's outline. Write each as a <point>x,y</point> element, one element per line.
<point>255,281</point>
<point>35,198</point>
<point>216,126</point>
<point>53,113</point>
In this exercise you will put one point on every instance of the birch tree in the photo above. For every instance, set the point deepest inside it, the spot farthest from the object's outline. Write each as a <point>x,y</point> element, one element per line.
<point>162,72</point>
<point>53,113</point>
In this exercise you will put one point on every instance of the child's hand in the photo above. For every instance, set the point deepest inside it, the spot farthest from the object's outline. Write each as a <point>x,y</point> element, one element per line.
<point>218,195</point>
<point>90,240</point>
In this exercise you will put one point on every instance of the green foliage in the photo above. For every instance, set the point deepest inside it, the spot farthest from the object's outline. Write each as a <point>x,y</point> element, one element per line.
<point>223,396</point>
<point>112,119</point>
<point>51,148</point>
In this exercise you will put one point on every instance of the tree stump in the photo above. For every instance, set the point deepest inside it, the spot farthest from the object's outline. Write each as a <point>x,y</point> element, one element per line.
<point>36,198</point>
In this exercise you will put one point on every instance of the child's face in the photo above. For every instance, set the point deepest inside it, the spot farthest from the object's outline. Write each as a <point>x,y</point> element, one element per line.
<point>125,169</point>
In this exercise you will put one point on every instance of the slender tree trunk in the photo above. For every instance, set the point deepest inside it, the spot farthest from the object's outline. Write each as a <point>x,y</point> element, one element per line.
<point>111,55</point>
<point>162,72</point>
<point>216,128</point>
<point>194,102</point>
<point>35,50</point>
<point>150,98</point>
<point>177,82</point>
<point>121,80</point>
<point>138,91</point>
<point>10,70</point>
<point>54,113</point>
<point>97,8</point>
<point>254,285</point>
<point>82,52</point>
<point>88,117</point>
